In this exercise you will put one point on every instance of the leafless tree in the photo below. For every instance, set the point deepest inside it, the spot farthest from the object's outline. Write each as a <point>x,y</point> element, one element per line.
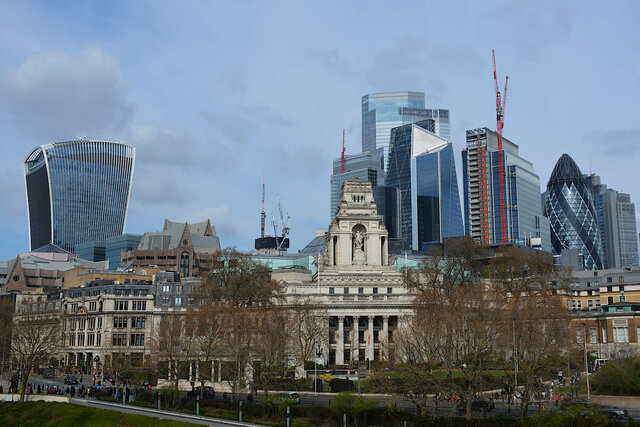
<point>6,320</point>
<point>308,327</point>
<point>171,345</point>
<point>35,335</point>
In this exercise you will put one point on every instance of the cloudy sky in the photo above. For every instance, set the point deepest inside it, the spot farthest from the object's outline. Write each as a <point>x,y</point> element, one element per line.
<point>214,95</point>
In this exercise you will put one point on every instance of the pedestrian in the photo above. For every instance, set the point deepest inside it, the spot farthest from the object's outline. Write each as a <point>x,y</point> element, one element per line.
<point>1,389</point>
<point>556,398</point>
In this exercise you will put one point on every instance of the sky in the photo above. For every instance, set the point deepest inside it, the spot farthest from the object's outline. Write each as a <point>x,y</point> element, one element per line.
<point>215,94</point>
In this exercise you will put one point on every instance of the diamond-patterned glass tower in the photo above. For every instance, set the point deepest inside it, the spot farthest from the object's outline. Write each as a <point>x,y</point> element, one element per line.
<point>570,209</point>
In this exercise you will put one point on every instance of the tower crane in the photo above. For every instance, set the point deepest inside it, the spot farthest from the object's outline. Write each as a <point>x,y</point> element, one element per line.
<point>263,216</point>
<point>285,224</point>
<point>275,225</point>
<point>500,108</point>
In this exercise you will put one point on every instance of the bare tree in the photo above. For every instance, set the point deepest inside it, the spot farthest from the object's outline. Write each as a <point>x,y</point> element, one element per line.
<point>271,354</point>
<point>536,326</point>
<point>35,335</point>
<point>172,346</point>
<point>206,321</point>
<point>308,327</point>
<point>6,320</point>
<point>459,309</point>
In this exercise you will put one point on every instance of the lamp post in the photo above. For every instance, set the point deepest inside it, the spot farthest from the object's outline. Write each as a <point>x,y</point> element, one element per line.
<point>586,366</point>
<point>318,351</point>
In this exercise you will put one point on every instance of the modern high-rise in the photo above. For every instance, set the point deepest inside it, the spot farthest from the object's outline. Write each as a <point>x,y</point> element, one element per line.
<point>382,112</point>
<point>368,167</point>
<point>616,217</point>
<point>422,167</point>
<point>572,213</point>
<point>77,192</point>
<point>525,224</point>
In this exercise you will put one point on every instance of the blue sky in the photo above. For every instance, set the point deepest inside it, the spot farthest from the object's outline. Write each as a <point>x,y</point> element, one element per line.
<point>214,95</point>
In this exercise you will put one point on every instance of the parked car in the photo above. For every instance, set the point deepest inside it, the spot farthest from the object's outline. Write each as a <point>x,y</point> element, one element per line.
<point>49,374</point>
<point>209,393</point>
<point>71,380</point>
<point>614,413</point>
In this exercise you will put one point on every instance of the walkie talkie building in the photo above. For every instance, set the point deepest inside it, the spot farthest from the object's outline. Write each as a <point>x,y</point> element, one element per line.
<point>77,191</point>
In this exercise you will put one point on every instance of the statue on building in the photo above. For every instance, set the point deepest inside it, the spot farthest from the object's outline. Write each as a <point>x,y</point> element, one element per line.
<point>359,235</point>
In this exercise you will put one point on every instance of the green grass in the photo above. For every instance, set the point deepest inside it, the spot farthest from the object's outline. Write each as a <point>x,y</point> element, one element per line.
<point>65,414</point>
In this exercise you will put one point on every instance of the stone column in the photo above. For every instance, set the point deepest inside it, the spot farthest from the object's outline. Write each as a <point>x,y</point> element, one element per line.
<point>190,370</point>
<point>197,371</point>
<point>370,345</point>
<point>169,373</point>
<point>213,371</point>
<point>384,339</point>
<point>219,370</point>
<point>340,341</point>
<point>355,340</point>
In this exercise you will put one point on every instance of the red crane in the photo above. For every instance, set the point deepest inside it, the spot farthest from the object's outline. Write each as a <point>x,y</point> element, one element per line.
<point>500,106</point>
<point>342,156</point>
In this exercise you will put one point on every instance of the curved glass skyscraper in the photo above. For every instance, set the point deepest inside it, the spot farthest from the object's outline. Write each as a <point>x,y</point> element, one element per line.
<point>77,191</point>
<point>570,209</point>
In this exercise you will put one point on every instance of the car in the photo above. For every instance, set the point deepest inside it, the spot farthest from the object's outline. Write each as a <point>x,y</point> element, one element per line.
<point>71,380</point>
<point>49,374</point>
<point>613,412</point>
<point>209,393</point>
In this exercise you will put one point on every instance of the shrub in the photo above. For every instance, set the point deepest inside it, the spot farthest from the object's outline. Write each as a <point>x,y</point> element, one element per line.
<point>339,385</point>
<point>357,408</point>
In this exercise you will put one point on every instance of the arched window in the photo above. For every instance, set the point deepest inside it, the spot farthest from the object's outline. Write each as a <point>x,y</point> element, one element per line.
<point>184,264</point>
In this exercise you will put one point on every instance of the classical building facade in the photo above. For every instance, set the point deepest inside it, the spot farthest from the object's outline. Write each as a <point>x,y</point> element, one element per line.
<point>362,292</point>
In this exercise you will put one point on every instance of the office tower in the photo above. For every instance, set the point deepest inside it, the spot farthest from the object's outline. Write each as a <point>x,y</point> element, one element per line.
<point>421,166</point>
<point>570,209</point>
<point>481,181</point>
<point>77,192</point>
<point>382,112</point>
<point>616,217</point>
<point>368,167</point>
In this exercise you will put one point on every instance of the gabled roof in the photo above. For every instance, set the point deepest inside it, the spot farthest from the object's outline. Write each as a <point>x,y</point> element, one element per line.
<point>201,234</point>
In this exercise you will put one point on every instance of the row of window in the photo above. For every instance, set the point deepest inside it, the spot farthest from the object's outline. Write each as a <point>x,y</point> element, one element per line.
<point>620,335</point>
<point>123,305</point>
<point>595,303</point>
<point>346,291</point>
<point>80,324</point>
<point>165,300</point>
<point>166,288</point>
<point>121,340</point>
<point>79,340</point>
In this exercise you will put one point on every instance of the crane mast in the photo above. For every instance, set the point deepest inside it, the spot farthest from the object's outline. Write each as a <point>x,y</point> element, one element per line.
<point>263,215</point>
<point>500,107</point>
<point>342,156</point>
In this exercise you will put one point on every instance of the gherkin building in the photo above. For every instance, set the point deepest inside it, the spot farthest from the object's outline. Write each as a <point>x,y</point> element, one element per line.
<point>570,209</point>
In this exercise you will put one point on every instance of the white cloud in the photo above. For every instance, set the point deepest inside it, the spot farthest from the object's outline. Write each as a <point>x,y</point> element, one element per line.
<point>54,96</point>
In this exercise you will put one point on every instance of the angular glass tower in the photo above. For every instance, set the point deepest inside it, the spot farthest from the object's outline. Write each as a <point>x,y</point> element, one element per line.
<point>571,211</point>
<point>77,192</point>
<point>382,112</point>
<point>422,167</point>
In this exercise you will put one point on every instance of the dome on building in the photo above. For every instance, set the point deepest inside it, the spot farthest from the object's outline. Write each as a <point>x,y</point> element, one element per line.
<point>571,212</point>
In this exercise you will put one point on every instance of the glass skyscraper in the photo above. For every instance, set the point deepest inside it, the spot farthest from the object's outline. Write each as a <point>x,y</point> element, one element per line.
<point>482,204</point>
<point>616,218</point>
<point>382,112</point>
<point>422,167</point>
<point>571,211</point>
<point>77,192</point>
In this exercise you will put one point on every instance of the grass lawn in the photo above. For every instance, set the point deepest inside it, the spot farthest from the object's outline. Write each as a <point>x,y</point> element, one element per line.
<point>66,414</point>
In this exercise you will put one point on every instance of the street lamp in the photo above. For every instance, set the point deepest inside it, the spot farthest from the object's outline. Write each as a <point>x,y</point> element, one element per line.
<point>318,351</point>
<point>586,366</point>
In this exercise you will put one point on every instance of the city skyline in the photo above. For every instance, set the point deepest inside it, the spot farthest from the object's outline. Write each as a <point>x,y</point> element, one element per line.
<point>209,114</point>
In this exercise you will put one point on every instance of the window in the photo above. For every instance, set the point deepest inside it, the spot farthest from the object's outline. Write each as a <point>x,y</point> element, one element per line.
<point>609,300</point>
<point>389,290</point>
<point>604,334</point>
<point>138,322</point>
<point>573,303</point>
<point>375,290</point>
<point>332,291</point>
<point>166,288</point>
<point>137,339</point>
<point>92,306</point>
<point>72,341</point>
<point>346,291</point>
<point>178,289</point>
<point>121,305</point>
<point>80,340</point>
<point>361,290</point>
<point>621,279</point>
<point>178,300</point>
<point>620,334</point>
<point>579,336</point>
<point>579,303</point>
<point>190,300</point>
<point>92,323</point>
<point>165,300</point>
<point>597,303</point>
<point>609,279</point>
<point>91,340</point>
<point>120,322</point>
<point>590,303</point>
<point>99,340</point>
<point>139,305</point>
<point>593,335</point>
<point>184,264</point>
<point>120,339</point>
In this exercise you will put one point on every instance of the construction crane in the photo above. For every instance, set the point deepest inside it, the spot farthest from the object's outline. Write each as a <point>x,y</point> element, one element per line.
<point>285,224</point>
<point>342,156</point>
<point>500,108</point>
<point>263,216</point>
<point>275,225</point>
